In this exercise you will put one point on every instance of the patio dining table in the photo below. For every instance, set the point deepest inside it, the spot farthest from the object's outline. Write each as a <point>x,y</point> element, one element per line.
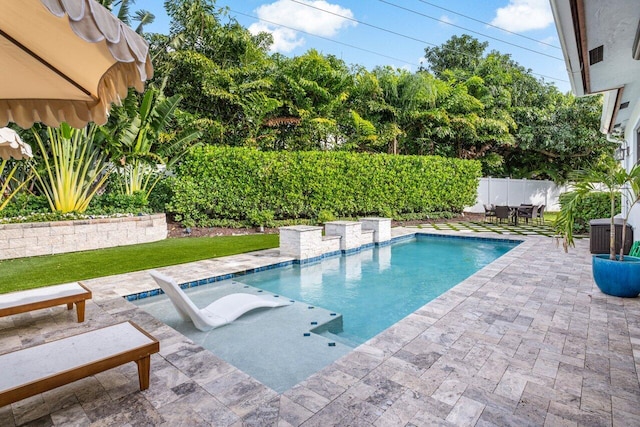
<point>515,210</point>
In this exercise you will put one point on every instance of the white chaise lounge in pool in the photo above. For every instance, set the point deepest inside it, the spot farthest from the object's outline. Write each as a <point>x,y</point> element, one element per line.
<point>220,312</point>
<point>48,296</point>
<point>33,370</point>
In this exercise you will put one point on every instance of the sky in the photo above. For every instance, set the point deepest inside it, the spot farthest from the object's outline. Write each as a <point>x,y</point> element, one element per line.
<point>396,32</point>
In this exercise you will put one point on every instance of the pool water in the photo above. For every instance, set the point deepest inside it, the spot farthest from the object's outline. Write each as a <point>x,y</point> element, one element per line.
<point>376,288</point>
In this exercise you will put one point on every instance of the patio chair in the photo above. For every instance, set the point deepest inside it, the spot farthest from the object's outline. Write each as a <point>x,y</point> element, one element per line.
<point>540,218</point>
<point>527,212</point>
<point>220,312</point>
<point>503,212</point>
<point>489,213</point>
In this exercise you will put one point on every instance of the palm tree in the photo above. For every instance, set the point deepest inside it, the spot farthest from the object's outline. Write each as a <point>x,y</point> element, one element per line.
<point>142,17</point>
<point>74,169</point>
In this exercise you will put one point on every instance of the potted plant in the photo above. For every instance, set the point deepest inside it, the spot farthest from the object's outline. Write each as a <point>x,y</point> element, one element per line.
<point>614,273</point>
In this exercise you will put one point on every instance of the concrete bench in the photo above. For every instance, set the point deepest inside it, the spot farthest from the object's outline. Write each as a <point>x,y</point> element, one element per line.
<point>48,296</point>
<point>36,369</point>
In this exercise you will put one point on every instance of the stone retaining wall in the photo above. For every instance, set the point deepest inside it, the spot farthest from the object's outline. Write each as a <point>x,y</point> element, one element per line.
<point>47,238</point>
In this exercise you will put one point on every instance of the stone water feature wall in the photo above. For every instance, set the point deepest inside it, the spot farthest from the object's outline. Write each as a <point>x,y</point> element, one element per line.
<point>306,242</point>
<point>47,238</point>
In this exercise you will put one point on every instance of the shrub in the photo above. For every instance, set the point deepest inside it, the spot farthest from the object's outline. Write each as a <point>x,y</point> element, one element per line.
<point>26,207</point>
<point>161,194</point>
<point>110,203</point>
<point>24,204</point>
<point>214,183</point>
<point>325,216</point>
<point>260,218</point>
<point>593,206</point>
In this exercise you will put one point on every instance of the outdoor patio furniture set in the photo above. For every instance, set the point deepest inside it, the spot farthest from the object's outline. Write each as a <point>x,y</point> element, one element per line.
<point>511,213</point>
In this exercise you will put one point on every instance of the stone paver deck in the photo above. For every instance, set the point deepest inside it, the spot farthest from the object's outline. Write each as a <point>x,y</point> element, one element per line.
<point>528,340</point>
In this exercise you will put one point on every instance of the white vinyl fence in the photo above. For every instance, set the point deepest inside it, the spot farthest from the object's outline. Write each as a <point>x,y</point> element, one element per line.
<point>507,191</point>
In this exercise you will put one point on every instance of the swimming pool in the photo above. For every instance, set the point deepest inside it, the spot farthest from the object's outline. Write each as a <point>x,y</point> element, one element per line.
<point>349,298</point>
<point>376,288</point>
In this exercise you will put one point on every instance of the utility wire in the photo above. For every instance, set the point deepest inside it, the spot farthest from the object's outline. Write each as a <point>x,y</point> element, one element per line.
<point>325,38</point>
<point>467,29</point>
<point>404,35</point>
<point>364,49</point>
<point>364,23</point>
<point>413,38</point>
<point>490,25</point>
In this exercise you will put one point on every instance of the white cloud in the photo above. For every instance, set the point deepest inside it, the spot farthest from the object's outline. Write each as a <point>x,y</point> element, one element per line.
<point>524,15</point>
<point>295,15</point>
<point>548,40</point>
<point>284,39</point>
<point>445,20</point>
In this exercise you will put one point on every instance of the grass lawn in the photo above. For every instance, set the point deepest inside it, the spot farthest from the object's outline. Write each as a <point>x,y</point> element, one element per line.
<point>34,272</point>
<point>550,216</point>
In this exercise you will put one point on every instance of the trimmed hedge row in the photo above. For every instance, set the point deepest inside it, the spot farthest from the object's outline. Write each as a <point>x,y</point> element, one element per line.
<point>246,184</point>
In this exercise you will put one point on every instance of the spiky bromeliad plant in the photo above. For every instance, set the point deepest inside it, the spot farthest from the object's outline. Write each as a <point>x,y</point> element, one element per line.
<point>609,177</point>
<point>74,169</point>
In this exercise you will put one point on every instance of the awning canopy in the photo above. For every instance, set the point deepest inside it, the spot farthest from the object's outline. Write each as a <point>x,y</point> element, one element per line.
<point>66,60</point>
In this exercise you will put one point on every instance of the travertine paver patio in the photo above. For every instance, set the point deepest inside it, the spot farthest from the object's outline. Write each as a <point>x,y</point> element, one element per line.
<point>529,340</point>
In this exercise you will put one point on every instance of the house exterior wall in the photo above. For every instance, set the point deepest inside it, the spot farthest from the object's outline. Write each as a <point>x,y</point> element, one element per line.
<point>632,137</point>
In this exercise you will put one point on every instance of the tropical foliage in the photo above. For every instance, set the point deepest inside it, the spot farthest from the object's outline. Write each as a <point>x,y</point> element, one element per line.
<point>13,177</point>
<point>217,84</point>
<point>74,167</point>
<point>138,142</point>
<point>465,102</point>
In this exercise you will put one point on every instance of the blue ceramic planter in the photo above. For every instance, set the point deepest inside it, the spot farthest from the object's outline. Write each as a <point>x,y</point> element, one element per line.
<point>617,278</point>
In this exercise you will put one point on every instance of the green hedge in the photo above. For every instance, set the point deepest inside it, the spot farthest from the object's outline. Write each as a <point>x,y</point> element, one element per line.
<point>250,185</point>
<point>593,206</point>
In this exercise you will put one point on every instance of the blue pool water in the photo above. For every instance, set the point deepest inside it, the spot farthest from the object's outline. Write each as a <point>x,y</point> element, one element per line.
<point>376,288</point>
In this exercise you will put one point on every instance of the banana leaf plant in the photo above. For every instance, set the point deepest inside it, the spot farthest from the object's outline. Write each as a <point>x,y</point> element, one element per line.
<point>609,177</point>
<point>138,139</point>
